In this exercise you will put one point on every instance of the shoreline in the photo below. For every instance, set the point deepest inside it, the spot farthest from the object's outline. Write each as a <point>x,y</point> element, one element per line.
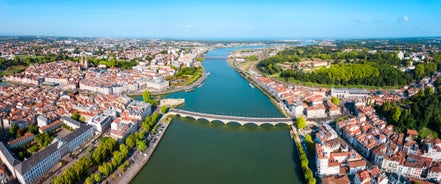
<point>251,80</point>
<point>139,160</point>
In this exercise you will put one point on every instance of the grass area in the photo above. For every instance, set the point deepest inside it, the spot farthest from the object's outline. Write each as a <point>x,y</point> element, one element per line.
<point>427,133</point>
<point>187,76</point>
<point>245,65</point>
<point>13,70</point>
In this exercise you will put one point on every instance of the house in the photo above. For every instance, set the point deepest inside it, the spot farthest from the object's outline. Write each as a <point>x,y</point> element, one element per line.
<point>318,111</point>
<point>435,171</point>
<point>335,180</point>
<point>100,122</point>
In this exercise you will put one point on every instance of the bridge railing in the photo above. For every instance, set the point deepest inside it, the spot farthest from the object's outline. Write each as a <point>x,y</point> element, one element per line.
<point>238,118</point>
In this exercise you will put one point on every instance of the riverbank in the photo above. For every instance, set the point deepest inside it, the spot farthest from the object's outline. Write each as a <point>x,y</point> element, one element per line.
<point>138,158</point>
<point>279,104</point>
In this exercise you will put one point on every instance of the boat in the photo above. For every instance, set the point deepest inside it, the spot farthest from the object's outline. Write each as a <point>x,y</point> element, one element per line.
<point>251,85</point>
<point>207,74</point>
<point>188,90</point>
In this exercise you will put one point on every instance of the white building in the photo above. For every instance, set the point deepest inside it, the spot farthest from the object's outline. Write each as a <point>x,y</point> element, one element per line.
<point>158,83</point>
<point>100,122</point>
<point>349,93</point>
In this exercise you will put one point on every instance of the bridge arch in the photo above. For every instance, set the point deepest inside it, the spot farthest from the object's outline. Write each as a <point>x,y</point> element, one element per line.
<point>281,124</point>
<point>251,124</point>
<point>202,119</point>
<point>234,123</point>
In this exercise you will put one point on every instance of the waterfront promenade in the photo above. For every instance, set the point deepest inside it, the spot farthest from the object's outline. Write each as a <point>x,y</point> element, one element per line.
<point>138,158</point>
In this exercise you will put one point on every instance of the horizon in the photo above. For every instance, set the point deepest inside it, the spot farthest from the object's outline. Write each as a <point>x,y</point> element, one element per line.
<point>222,39</point>
<point>220,20</point>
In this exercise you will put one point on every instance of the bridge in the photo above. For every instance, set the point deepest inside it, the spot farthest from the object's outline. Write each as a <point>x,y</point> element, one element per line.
<point>229,119</point>
<point>216,57</point>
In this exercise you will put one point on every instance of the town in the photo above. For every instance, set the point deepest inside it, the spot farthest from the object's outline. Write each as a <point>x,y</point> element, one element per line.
<point>345,139</point>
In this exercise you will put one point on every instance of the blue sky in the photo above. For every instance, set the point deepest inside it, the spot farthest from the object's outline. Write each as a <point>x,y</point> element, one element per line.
<point>221,19</point>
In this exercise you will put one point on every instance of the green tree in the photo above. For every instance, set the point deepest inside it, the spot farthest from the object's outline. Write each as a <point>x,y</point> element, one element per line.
<point>124,151</point>
<point>13,130</point>
<point>419,71</point>
<point>97,177</point>
<point>164,109</point>
<point>335,100</point>
<point>82,119</point>
<point>43,139</point>
<point>396,114</point>
<point>301,122</point>
<point>130,141</point>
<point>88,180</point>
<point>146,96</point>
<point>76,116</point>
<point>33,129</point>
<point>141,145</point>
<point>310,144</point>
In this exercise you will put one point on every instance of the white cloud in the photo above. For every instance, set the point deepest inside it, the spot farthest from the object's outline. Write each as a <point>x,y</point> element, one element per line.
<point>404,19</point>
<point>189,26</point>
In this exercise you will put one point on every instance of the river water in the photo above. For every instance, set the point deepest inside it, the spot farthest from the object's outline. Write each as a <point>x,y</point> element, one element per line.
<point>201,152</point>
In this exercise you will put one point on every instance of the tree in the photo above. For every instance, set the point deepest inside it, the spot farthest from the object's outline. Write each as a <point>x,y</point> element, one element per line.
<point>309,143</point>
<point>33,129</point>
<point>419,71</point>
<point>124,151</point>
<point>13,130</point>
<point>164,109</point>
<point>88,180</point>
<point>141,145</point>
<point>97,177</point>
<point>82,119</point>
<point>301,122</point>
<point>21,132</point>
<point>130,141</point>
<point>43,139</point>
<point>335,100</point>
<point>76,116</point>
<point>146,96</point>
<point>396,114</point>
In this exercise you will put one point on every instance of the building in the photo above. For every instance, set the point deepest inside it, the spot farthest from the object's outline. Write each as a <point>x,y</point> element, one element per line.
<point>28,137</point>
<point>121,128</point>
<point>349,93</point>
<point>74,124</point>
<point>33,167</point>
<point>335,180</point>
<point>435,171</point>
<point>318,111</point>
<point>50,127</point>
<point>137,110</point>
<point>100,122</point>
<point>297,108</point>
<point>158,83</point>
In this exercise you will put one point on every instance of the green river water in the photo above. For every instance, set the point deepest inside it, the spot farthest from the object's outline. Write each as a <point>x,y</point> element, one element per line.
<point>201,152</point>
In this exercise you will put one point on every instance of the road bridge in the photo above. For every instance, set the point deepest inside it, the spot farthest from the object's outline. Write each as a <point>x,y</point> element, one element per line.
<point>229,119</point>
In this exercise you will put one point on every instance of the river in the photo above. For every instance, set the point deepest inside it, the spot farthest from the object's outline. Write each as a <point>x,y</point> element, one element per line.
<point>200,152</point>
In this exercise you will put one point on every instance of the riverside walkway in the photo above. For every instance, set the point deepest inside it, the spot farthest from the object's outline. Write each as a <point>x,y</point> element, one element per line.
<point>228,119</point>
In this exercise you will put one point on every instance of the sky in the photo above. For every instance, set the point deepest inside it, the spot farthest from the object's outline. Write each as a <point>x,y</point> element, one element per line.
<point>291,19</point>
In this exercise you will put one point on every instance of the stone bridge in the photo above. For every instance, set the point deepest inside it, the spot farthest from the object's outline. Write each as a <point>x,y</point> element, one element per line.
<point>229,119</point>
